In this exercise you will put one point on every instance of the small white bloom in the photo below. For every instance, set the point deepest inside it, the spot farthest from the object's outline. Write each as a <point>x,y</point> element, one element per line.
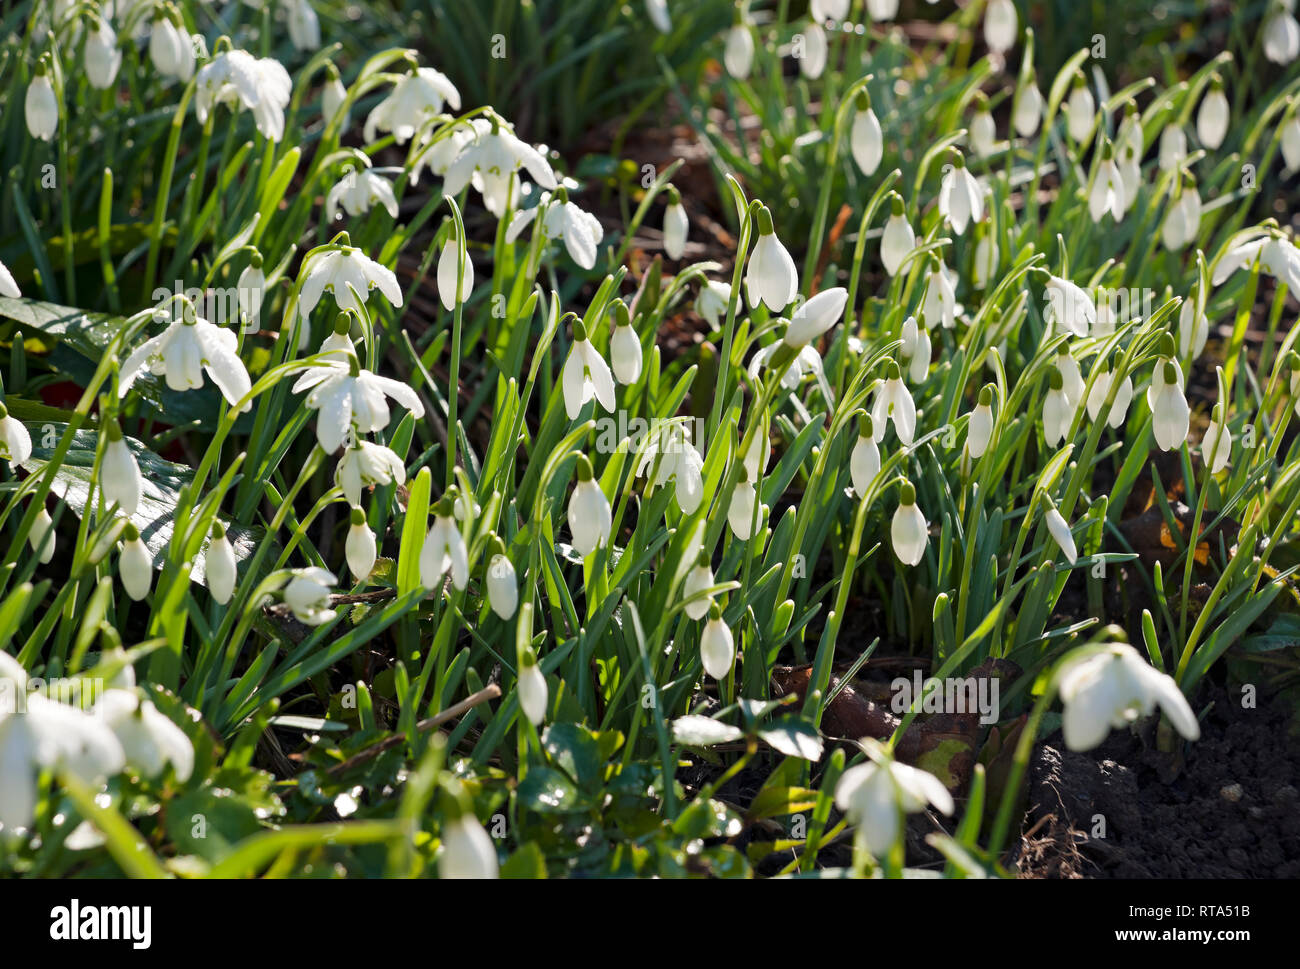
<point>333,96</point>
<point>1059,529</point>
<point>983,131</point>
<point>590,519</point>
<point>349,275</point>
<point>149,739</point>
<point>502,586</point>
<point>717,647</point>
<point>894,402</point>
<point>533,691</point>
<point>8,285</point>
<point>119,474</point>
<point>467,850</point>
<point>1129,147</point>
<point>1170,415</point>
<point>979,431</point>
<point>897,240</point>
<point>1027,111</point>
<point>360,548</point>
<point>679,462</point>
<point>307,595</point>
<point>1183,220</point>
<point>580,230</point>
<point>304,25</point>
<point>985,263</point>
<point>347,398</point>
<point>1101,390</point>
<point>916,350</point>
<point>1069,307</point>
<point>713,300</point>
<point>135,564</point>
<point>755,460</point>
<point>864,460</point>
<point>1277,256</point>
<point>1290,141</point>
<point>1212,118</point>
<point>183,352</point>
<point>357,192</point>
<point>770,277</point>
<point>866,140</point>
<point>699,578</point>
<point>939,304</point>
<point>659,15</point>
<point>416,98</point>
<point>625,354</point>
<point>1216,443</point>
<point>960,199</point>
<point>42,536</point>
<point>102,55</point>
<point>676,226</point>
<point>1107,193</point>
<point>815,316</point>
<point>585,375</point>
<point>1058,410</point>
<point>882,10</point>
<point>490,161</point>
<point>738,57</point>
<point>242,81</point>
<point>814,51</point>
<point>15,442</point>
<point>171,48</point>
<point>1173,147</point>
<point>444,550</point>
<point>822,10</point>
<point>1000,25</point>
<point>876,795</point>
<point>41,106</point>
<point>220,569</point>
<point>1114,688</point>
<point>452,267</point>
<point>1281,35</point>
<point>909,532</point>
<point>365,465</point>
<point>741,509</point>
<point>1080,111</point>
<point>249,290</point>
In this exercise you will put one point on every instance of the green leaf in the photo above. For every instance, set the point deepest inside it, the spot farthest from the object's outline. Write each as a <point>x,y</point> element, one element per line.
<point>794,738</point>
<point>693,730</point>
<point>547,791</point>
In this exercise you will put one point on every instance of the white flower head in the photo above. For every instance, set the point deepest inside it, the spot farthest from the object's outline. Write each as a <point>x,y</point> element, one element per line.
<point>491,160</point>
<point>1069,307</point>
<point>102,56</point>
<point>1290,141</point>
<point>586,375</point>
<point>983,129</point>
<point>502,583</point>
<point>171,48</point>
<point>713,300</point>
<point>738,55</point>
<point>1281,35</point>
<point>1027,109</point>
<point>979,431</point>
<point>455,272</point>
<point>360,548</point>
<point>242,81</point>
<point>366,465</point>
<point>877,794</point>
<point>220,568</point>
<point>1216,442</point>
<point>307,594</point>
<point>564,220</point>
<point>304,25</point>
<point>813,51</point>
<point>1058,409</point>
<point>1101,386</point>
<point>15,441</point>
<point>676,225</point>
<point>1212,118</point>
<point>444,549</point>
<point>770,277</point>
<point>1059,529</point>
<point>961,200</point>
<point>625,354</point>
<point>678,462</point>
<point>41,106</point>
<point>815,316</point>
<point>1173,147</point>
<point>149,738</point>
<point>119,474</point>
<point>532,688</point>
<point>717,645</point>
<point>1170,415</point>
<point>467,850</point>
<point>897,240</point>
<point>1183,220</point>
<point>589,515</point>
<point>1080,111</point>
<point>348,274</point>
<point>416,98</point>
<point>1107,194</point>
<point>866,140</point>
<point>916,350</point>
<point>351,402</point>
<point>909,533</point>
<point>185,350</point>
<point>864,460</point>
<point>1000,25</point>
<point>894,403</point>
<point>357,192</point>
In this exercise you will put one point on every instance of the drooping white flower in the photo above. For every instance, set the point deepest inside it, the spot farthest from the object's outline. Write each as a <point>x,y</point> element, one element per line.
<point>467,850</point>
<point>135,564</point>
<point>742,508</point>
<point>532,688</point>
<point>985,262</point>
<point>149,738</point>
<point>909,532</point>
<point>1069,307</point>
<point>590,519</point>
<point>249,290</point>
<point>882,10</point>
<point>738,56</point>
<point>1129,147</point>
<point>444,550</point>
<point>238,79</point>
<point>713,300</point>
<point>916,350</point>
<point>333,96</point>
<point>1114,688</point>
<point>1281,35</point>
<point>184,351</point>
<point>1216,443</point>
<point>1290,141</point>
<point>676,226</point>
<point>897,240</point>
<point>1080,111</point>
<point>679,462</point>
<point>502,585</point>
<point>1107,193</point>
<point>1027,110</point>
<point>877,794</point>
<point>1170,415</point>
<point>171,48</point>
<point>1183,220</point>
<point>866,140</point>
<point>939,304</point>
<point>41,106</point>
<point>815,316</point>
<point>979,431</point>
<point>358,192</point>
<point>8,285</point>
<point>1000,25</point>
<point>365,464</point>
<point>1059,529</point>
<point>1173,147</point>
<point>625,350</point>
<point>983,129</point>
<point>349,275</point>
<point>360,548</point>
<point>1193,329</point>
<point>304,25</point>
<point>813,53</point>
<point>415,98</point>
<point>562,219</point>
<point>351,402</point>
<point>1212,118</point>
<point>119,474</point>
<point>1277,256</point>
<point>717,646</point>
<point>960,199</point>
<point>823,10</point>
<point>219,566</point>
<point>1101,390</point>
<point>864,460</point>
<point>1071,376</point>
<point>1058,409</point>
<point>659,15</point>
<point>454,266</point>
<point>307,595</point>
<point>38,733</point>
<point>770,277</point>
<point>755,459</point>
<point>585,375</point>
<point>42,537</point>
<point>894,403</point>
<point>15,442</point>
<point>490,161</point>
<point>102,57</point>
<point>805,362</point>
<point>699,578</point>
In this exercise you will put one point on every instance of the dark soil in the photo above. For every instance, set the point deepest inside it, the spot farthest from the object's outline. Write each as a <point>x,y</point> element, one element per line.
<point>1232,811</point>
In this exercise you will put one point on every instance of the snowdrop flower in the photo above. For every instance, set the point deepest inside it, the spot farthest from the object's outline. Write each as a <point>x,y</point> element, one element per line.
<point>307,595</point>
<point>979,430</point>
<point>1277,256</point>
<point>741,509</point>
<point>135,565</point>
<point>360,548</point>
<point>940,300</point>
<point>916,349</point>
<point>304,25</point>
<point>1059,529</point>
<point>348,274</point>
<point>699,578</point>
<point>1183,220</point>
<point>416,98</point>
<point>1114,688</point>
<point>909,532</point>
<point>894,402</point>
<point>881,10</point>
<point>502,584</point>
<point>1071,376</point>
<point>242,81</point>
<point>1069,307</point>
<point>1107,193</point>
<point>897,240</point>
<point>189,346</point>
<point>866,140</point>
<point>366,465</point>
<point>333,96</point>
<point>1281,34</point>
<point>864,460</point>
<point>170,46</point>
<point>491,160</point>
<point>713,300</point>
<point>985,262</point>
<point>357,192</point>
<point>585,375</point>
<point>1290,140</point>
<point>453,265</point>
<point>760,449</point>
<point>45,734</point>
<point>675,225</point>
<point>42,537</point>
<point>680,463</point>
<point>41,106</point>
<point>1216,443</point>
<point>532,688</point>
<point>590,519</point>
<point>580,230</point>
<point>8,285</point>
<point>770,277</point>
<point>149,739</point>
<point>1129,145</point>
<point>219,566</point>
<point>119,474</point>
<point>444,549</point>
<point>876,795</point>
<point>625,348</point>
<point>1173,147</point>
<point>822,10</point>
<point>1000,25</point>
<point>1101,385</point>
<point>15,442</point>
<point>1295,379</point>
<point>1080,111</point>
<point>983,130</point>
<point>467,850</point>
<point>1058,409</point>
<point>803,363</point>
<point>960,198</point>
<point>348,398</point>
<point>248,290</point>
<point>1212,118</point>
<point>738,56</point>
<point>102,57</point>
<point>815,316</point>
<point>812,59</point>
<point>1170,415</point>
<point>717,646</point>
<point>1193,329</point>
<point>657,10</point>
<point>1027,111</point>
